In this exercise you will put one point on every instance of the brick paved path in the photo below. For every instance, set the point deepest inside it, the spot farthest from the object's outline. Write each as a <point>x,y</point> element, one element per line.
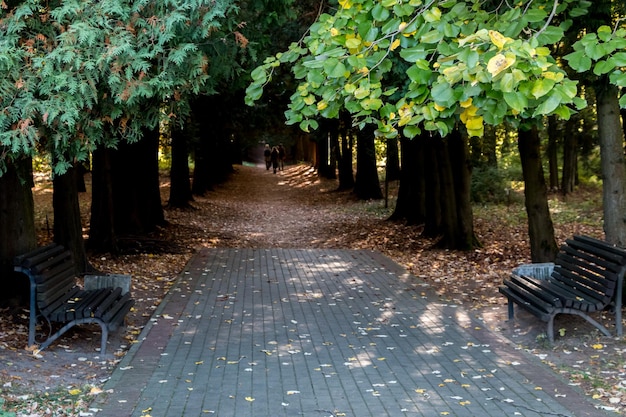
<point>278,332</point>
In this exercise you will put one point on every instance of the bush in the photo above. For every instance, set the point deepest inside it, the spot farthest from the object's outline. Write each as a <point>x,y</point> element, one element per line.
<point>489,185</point>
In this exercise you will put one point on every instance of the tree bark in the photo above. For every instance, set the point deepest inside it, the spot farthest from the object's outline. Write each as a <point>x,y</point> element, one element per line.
<point>459,155</point>
<point>102,230</point>
<point>334,155</point>
<point>543,246</point>
<point>411,202</point>
<point>68,229</point>
<point>392,168</point>
<point>552,150</point>
<point>455,178</point>
<point>180,184</point>
<point>367,185</point>
<point>346,176</point>
<point>612,160</point>
<point>570,158</point>
<point>324,169</point>
<point>126,198</point>
<point>432,180</point>
<point>17,227</point>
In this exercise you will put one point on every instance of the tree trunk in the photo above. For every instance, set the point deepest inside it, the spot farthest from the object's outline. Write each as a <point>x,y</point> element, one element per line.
<point>432,180</point>
<point>570,157</point>
<point>367,185</point>
<point>392,169</point>
<point>334,148</point>
<point>180,184</point>
<point>543,246</point>
<point>459,155</point>
<point>411,202</point>
<point>454,173</point>
<point>552,150</point>
<point>68,229</point>
<point>126,194</point>
<point>17,228</point>
<point>102,234</point>
<point>346,176</point>
<point>612,160</point>
<point>324,169</point>
<point>213,154</point>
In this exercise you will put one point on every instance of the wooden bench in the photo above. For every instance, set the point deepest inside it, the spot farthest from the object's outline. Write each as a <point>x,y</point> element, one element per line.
<point>587,277</point>
<point>55,296</point>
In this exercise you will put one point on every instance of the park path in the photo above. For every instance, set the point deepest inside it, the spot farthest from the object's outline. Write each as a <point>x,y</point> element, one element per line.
<point>266,332</point>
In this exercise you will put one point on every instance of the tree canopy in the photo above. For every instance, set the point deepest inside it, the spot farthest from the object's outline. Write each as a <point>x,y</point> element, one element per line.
<point>80,73</point>
<point>411,65</point>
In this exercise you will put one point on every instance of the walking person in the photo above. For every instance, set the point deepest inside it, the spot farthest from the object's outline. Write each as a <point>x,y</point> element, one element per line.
<point>281,156</point>
<point>274,158</point>
<point>267,153</point>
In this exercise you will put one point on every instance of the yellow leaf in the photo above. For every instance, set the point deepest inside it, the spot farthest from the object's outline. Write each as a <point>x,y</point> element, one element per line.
<point>74,391</point>
<point>598,346</point>
<point>322,105</point>
<point>346,4</point>
<point>465,104</point>
<point>498,39</point>
<point>249,399</point>
<point>402,26</point>
<point>499,63</point>
<point>439,108</point>
<point>334,32</point>
<point>474,123</point>
<point>395,44</point>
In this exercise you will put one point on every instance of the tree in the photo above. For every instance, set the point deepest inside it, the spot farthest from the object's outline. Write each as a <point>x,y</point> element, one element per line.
<point>466,65</point>
<point>366,185</point>
<point>85,73</point>
<point>17,225</point>
<point>603,52</point>
<point>543,246</point>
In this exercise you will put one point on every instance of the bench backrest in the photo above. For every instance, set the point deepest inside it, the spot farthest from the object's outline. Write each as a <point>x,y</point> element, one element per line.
<point>51,272</point>
<point>591,266</point>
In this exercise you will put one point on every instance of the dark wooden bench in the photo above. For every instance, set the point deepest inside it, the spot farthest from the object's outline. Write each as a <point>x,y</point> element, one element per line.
<point>587,277</point>
<point>56,297</point>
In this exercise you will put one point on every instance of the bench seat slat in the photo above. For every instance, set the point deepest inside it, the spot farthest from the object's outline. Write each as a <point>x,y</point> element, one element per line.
<point>531,308</point>
<point>534,288</point>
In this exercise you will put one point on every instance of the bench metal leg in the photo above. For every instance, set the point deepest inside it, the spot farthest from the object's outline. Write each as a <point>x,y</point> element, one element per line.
<point>65,328</point>
<point>511,309</point>
<point>579,313</point>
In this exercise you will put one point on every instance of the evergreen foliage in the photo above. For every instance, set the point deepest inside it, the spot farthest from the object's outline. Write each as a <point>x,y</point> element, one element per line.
<point>76,74</point>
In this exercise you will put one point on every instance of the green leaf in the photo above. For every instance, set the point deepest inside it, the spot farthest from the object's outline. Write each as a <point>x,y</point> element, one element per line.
<point>534,15</point>
<point>413,54</point>
<point>334,68</point>
<point>541,87</point>
<point>380,13</point>
<point>443,94</point>
<point>434,36</point>
<point>619,59</point>
<point>517,101</point>
<point>259,75</point>
<point>579,61</point>
<point>419,75</point>
<point>550,35</point>
<point>548,106</point>
<point>411,131</point>
<point>603,67</point>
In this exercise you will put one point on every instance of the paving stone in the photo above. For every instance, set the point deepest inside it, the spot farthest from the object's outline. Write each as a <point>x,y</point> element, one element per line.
<point>286,332</point>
